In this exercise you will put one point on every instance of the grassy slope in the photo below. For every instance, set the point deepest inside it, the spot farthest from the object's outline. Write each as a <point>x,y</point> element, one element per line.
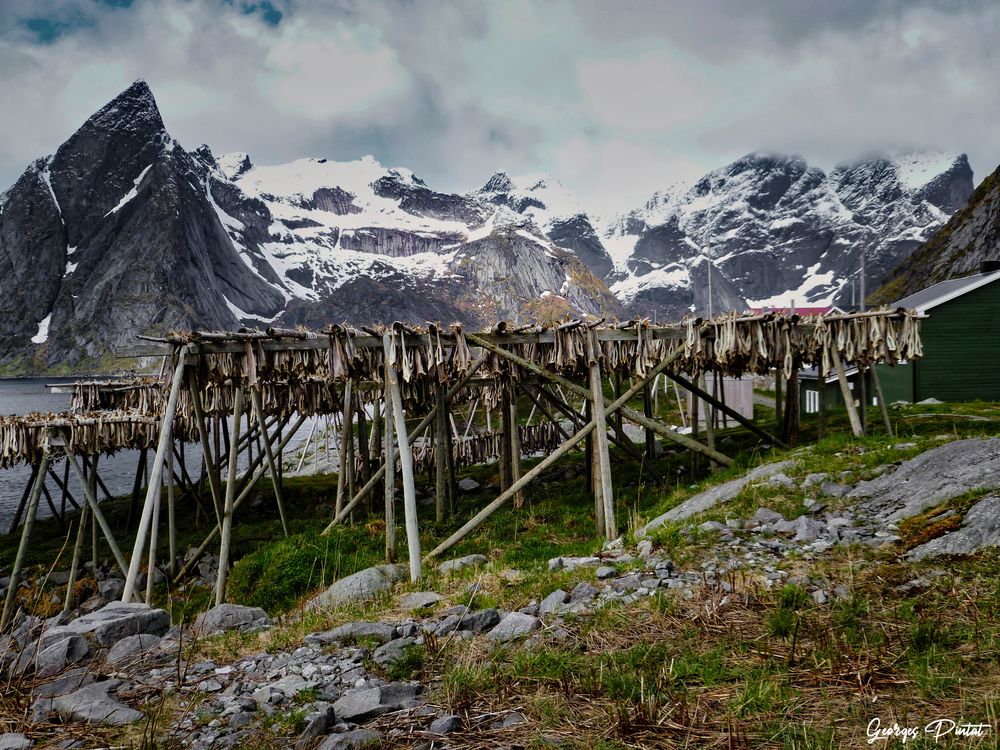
<point>773,670</point>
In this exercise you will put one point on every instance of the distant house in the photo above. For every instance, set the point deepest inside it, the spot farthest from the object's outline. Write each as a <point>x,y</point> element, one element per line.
<point>961,341</point>
<point>809,388</point>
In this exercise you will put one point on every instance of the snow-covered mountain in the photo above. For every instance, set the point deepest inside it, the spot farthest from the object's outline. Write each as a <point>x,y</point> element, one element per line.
<point>778,231</point>
<point>123,231</point>
<point>970,239</point>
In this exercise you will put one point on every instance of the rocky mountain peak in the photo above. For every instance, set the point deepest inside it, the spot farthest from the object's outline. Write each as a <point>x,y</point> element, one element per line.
<point>133,110</point>
<point>235,164</point>
<point>500,182</point>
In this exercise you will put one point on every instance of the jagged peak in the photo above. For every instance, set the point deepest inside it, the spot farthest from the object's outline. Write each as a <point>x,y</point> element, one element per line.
<point>234,164</point>
<point>500,182</point>
<point>134,108</point>
<point>767,160</point>
<point>910,164</point>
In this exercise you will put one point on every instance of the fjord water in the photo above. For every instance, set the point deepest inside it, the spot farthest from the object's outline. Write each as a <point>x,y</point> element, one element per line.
<point>27,395</point>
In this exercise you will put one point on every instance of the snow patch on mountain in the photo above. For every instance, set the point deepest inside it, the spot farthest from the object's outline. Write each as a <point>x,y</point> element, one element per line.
<point>43,330</point>
<point>915,168</point>
<point>130,194</point>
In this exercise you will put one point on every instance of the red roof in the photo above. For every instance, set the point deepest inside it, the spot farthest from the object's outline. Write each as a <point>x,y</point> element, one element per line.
<point>797,310</point>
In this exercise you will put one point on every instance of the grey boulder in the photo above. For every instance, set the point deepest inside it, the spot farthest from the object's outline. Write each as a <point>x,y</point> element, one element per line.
<point>931,478</point>
<point>479,621</point>
<point>392,651</point>
<point>419,600</point>
<point>133,649</point>
<point>458,563</point>
<point>227,617</point>
<point>715,495</point>
<point>360,586</point>
<point>359,705</point>
<point>55,658</point>
<point>554,603</point>
<point>352,739</point>
<point>110,624</point>
<point>514,625</point>
<point>445,725</point>
<point>14,741</point>
<point>980,529</point>
<point>93,705</point>
<point>352,631</point>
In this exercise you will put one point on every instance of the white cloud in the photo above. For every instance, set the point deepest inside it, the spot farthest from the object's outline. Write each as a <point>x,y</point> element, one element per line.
<point>642,94</point>
<point>617,99</point>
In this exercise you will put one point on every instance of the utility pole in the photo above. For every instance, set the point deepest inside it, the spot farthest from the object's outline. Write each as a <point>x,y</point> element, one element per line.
<point>862,279</point>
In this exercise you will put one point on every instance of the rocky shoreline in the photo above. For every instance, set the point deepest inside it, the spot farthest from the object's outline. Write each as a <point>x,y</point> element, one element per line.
<point>110,665</point>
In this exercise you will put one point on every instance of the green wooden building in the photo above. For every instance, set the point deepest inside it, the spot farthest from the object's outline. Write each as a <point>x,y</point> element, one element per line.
<point>961,340</point>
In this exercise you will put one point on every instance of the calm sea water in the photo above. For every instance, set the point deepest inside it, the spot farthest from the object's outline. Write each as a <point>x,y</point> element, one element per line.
<point>26,395</point>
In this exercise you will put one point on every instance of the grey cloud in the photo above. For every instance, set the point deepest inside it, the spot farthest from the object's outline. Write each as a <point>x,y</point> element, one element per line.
<point>457,88</point>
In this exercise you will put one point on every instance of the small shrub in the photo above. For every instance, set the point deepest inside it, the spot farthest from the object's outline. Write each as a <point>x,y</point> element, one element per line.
<point>792,597</point>
<point>781,622</point>
<point>409,666</point>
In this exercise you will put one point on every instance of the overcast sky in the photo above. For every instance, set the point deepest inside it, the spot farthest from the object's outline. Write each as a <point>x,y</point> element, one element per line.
<point>617,98</point>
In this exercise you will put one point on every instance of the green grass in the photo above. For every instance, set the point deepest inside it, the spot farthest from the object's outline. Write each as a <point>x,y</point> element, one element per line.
<point>772,669</point>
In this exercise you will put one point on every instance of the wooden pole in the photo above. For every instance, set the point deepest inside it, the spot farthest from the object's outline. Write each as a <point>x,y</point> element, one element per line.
<point>515,447</point>
<point>863,398</point>
<point>63,485</point>
<point>793,407</point>
<point>22,549</point>
<point>709,418</point>
<point>64,491</point>
<point>728,410</point>
<point>99,518</point>
<point>578,420</point>
<point>543,409</point>
<point>684,440</point>
<point>596,485</point>
<point>506,460</point>
<point>376,443</point>
<point>441,430</point>
<point>370,484</point>
<point>305,445</point>
<point>581,434</point>
<point>649,411</point>
<point>778,413</point>
<point>346,436</point>
<point>476,521</point>
<point>601,441</point>
<point>227,515</point>
<point>882,406</point>
<point>845,390</point>
<point>258,405</point>
<point>171,516</point>
<point>157,471</point>
<point>24,500</point>
<point>405,464</point>
<point>206,449</point>
<point>364,452</point>
<point>389,468</point>
<point>153,534</point>
<point>821,398</point>
<point>74,568</point>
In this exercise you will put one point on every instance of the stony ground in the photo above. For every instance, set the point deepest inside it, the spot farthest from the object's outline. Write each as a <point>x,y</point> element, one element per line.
<point>729,604</point>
